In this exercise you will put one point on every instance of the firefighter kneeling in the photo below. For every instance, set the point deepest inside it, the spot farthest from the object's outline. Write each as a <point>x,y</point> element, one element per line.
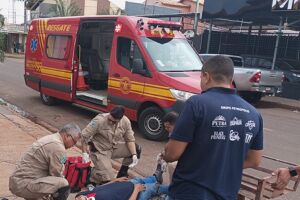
<point>104,135</point>
<point>39,173</point>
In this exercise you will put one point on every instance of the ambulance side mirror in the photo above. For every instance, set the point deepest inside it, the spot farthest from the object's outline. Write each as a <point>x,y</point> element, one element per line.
<point>138,67</point>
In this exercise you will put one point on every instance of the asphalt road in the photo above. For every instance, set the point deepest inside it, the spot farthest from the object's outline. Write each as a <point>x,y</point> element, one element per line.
<point>282,135</point>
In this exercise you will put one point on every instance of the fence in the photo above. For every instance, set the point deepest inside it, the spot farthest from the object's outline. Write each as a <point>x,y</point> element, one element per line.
<point>240,43</point>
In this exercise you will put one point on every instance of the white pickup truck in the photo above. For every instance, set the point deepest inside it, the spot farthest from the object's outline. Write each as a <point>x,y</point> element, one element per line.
<point>252,84</point>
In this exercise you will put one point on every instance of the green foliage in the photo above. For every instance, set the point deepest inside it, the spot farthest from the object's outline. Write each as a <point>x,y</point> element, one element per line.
<point>2,39</point>
<point>1,21</point>
<point>62,9</point>
<point>2,46</point>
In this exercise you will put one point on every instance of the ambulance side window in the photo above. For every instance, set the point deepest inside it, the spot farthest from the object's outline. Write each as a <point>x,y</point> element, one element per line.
<point>127,50</point>
<point>57,46</point>
<point>123,52</point>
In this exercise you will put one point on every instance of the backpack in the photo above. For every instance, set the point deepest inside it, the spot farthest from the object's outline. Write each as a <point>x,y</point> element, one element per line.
<point>77,173</point>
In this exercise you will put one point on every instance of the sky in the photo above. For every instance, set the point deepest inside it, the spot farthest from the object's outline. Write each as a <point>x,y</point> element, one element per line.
<point>6,9</point>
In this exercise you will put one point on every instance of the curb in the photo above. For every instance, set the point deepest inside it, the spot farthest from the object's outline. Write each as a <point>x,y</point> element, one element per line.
<point>14,56</point>
<point>116,165</point>
<point>272,104</point>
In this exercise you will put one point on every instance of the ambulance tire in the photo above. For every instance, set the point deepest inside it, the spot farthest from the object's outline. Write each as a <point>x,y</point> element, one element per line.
<point>151,125</point>
<point>48,100</point>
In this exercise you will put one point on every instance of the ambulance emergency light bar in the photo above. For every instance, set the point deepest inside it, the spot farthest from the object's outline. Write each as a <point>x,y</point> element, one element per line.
<point>152,24</point>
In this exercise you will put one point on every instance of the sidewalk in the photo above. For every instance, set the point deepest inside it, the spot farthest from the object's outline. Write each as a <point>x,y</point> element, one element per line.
<point>280,102</point>
<point>17,133</point>
<point>15,55</point>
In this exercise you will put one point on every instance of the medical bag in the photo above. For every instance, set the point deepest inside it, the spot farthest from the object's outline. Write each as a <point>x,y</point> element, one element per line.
<point>77,173</point>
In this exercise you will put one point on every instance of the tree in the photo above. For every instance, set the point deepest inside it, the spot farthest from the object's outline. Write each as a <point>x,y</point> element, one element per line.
<point>1,21</point>
<point>61,9</point>
<point>2,39</point>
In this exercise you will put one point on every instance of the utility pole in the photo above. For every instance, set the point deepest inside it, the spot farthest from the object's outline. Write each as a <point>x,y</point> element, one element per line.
<point>279,33</point>
<point>14,12</point>
<point>209,35</point>
<point>25,17</point>
<point>196,18</point>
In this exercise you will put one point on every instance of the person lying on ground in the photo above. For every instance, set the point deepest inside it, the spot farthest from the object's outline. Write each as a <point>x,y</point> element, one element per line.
<point>124,189</point>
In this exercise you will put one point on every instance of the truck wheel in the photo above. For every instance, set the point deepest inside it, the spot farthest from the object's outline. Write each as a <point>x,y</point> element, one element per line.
<point>48,100</point>
<point>151,125</point>
<point>252,97</point>
<point>257,97</point>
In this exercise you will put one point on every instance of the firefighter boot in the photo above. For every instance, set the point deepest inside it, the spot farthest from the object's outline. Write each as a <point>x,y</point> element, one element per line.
<point>62,193</point>
<point>123,172</point>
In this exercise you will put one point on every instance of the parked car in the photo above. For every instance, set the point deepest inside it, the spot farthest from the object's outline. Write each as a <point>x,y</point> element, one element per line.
<point>294,63</point>
<point>293,74</point>
<point>290,68</point>
<point>252,83</point>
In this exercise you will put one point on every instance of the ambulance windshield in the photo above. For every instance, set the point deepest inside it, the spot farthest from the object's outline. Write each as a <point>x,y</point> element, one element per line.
<point>172,54</point>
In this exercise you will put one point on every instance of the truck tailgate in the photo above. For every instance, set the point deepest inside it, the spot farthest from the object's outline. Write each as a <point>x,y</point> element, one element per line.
<point>242,78</point>
<point>271,78</point>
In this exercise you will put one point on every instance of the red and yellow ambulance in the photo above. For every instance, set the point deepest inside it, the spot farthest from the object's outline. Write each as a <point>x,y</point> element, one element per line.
<point>98,62</point>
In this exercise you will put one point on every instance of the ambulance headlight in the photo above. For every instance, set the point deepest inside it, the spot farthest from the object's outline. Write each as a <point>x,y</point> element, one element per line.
<point>181,95</point>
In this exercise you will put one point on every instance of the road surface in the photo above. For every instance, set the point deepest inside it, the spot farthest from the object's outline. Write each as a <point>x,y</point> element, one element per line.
<point>281,127</point>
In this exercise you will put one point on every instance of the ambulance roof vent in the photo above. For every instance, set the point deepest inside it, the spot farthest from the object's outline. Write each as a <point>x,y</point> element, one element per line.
<point>140,24</point>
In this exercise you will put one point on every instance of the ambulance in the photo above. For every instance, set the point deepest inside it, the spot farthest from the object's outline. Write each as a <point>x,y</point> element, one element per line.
<point>98,62</point>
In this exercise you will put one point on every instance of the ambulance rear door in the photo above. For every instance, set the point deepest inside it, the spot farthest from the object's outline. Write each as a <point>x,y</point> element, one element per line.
<point>58,71</point>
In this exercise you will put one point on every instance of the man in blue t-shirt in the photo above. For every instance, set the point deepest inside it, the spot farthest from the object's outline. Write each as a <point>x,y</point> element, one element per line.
<point>216,135</point>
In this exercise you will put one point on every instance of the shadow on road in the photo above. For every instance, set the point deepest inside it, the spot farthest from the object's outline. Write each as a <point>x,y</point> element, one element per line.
<point>270,105</point>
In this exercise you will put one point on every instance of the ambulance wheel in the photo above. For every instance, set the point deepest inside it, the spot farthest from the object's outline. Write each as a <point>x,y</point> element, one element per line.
<point>151,125</point>
<point>48,100</point>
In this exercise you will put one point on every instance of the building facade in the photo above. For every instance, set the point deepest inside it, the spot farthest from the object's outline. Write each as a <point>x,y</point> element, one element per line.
<point>86,7</point>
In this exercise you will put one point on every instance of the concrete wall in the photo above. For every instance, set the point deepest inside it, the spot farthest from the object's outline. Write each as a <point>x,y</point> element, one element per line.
<point>90,7</point>
<point>161,4</point>
<point>192,5</point>
<point>140,9</point>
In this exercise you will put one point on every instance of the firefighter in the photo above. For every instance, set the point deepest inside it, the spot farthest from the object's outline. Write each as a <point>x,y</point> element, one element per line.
<point>39,173</point>
<point>104,136</point>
